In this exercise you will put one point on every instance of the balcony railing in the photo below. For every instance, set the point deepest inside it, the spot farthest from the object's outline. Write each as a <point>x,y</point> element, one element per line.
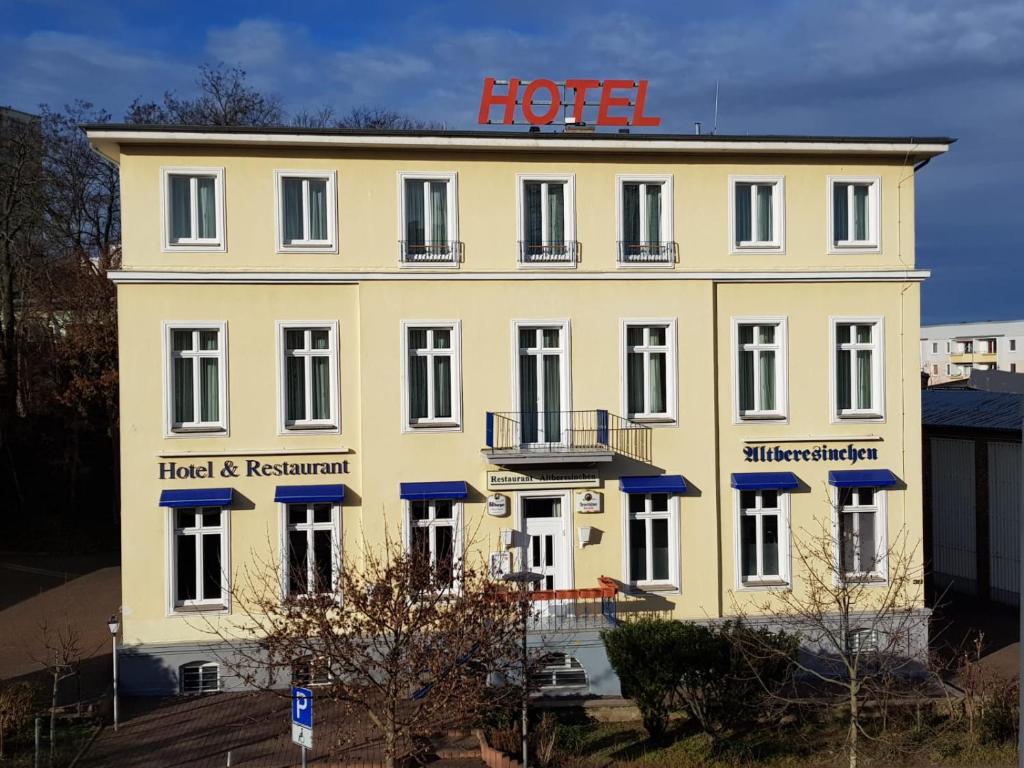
<point>570,609</point>
<point>437,253</point>
<point>549,254</point>
<point>647,253</point>
<point>524,437</point>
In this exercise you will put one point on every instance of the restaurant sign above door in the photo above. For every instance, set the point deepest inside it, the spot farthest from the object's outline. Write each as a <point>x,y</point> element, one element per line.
<point>549,478</point>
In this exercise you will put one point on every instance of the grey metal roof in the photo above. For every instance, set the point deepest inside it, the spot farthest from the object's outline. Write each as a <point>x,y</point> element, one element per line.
<point>989,381</point>
<point>972,409</point>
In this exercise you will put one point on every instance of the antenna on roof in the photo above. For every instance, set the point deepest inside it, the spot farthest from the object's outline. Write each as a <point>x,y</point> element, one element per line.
<point>714,130</point>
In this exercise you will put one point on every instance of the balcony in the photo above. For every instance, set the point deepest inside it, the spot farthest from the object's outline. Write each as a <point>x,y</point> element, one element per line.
<point>973,358</point>
<point>563,254</point>
<point>653,254</point>
<point>572,609</point>
<point>444,253</point>
<point>563,437</point>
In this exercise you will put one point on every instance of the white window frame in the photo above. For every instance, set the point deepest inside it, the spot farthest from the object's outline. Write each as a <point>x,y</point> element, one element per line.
<point>431,523</point>
<point>330,245</point>
<point>880,509</point>
<point>667,235</point>
<point>873,243</point>
<point>672,584</point>
<point>325,426</point>
<point>218,243</point>
<point>671,415</point>
<point>565,372</point>
<point>200,665</point>
<point>778,242</point>
<point>569,216</point>
<point>212,428</point>
<point>452,178</point>
<point>784,579</point>
<point>337,554</point>
<point>781,347</point>
<point>877,413</point>
<point>454,423</point>
<point>191,607</point>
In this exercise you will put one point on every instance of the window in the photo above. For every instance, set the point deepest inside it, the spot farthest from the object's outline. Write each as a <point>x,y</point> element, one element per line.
<point>652,539</point>
<point>559,672</point>
<point>861,641</point>
<point>861,533</point>
<point>435,537</point>
<point>757,213</point>
<point>855,212</point>
<point>314,548</point>
<point>429,221</point>
<point>309,376</point>
<point>196,377</point>
<point>193,208</point>
<point>935,348</point>
<point>542,379</point>
<point>764,537</point>
<point>935,369</point>
<point>645,220</point>
<point>306,210</point>
<point>311,671</point>
<point>947,347</point>
<point>1013,367</point>
<point>1013,345</point>
<point>760,383</point>
<point>200,557</point>
<point>199,677</point>
<point>547,227</point>
<point>949,369</point>
<point>857,368</point>
<point>432,379</point>
<point>650,382</point>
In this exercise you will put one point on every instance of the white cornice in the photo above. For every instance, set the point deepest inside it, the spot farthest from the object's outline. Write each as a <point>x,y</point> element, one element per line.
<point>312,278</point>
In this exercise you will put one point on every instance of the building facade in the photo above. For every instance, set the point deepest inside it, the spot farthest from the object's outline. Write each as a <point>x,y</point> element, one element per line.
<point>637,365</point>
<point>952,351</point>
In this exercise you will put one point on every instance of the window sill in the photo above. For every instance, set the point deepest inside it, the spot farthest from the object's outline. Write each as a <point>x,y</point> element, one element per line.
<point>859,416</point>
<point>663,421</point>
<point>192,610</point>
<point>219,429</point>
<point>867,579</point>
<point>640,588</point>
<point>299,428</point>
<point>756,417</point>
<point>763,586</point>
<point>836,249</point>
<point>427,426</point>
<point>195,246</point>
<point>331,248</point>
<point>740,248</point>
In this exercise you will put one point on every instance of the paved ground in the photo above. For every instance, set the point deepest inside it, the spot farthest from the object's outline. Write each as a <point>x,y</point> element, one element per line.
<point>956,624</point>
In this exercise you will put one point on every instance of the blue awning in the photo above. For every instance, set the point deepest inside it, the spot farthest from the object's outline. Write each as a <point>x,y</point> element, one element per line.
<point>764,481</point>
<point>445,489</point>
<point>309,494</point>
<point>653,484</point>
<point>861,478</point>
<point>196,497</point>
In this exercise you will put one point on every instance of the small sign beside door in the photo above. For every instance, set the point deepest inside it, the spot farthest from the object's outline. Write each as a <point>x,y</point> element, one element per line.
<point>497,505</point>
<point>588,502</point>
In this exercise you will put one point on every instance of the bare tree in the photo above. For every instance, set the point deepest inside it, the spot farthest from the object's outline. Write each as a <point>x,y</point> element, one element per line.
<point>408,646</point>
<point>16,702</point>
<point>225,98</point>
<point>59,653</point>
<point>860,629</point>
<point>364,118</point>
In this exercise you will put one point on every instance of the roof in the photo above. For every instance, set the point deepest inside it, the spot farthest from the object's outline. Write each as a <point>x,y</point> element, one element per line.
<point>108,137</point>
<point>971,329</point>
<point>972,409</point>
<point>988,381</point>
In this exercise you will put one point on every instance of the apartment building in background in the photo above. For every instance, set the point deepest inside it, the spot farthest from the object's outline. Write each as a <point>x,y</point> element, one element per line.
<point>953,350</point>
<point>636,364</point>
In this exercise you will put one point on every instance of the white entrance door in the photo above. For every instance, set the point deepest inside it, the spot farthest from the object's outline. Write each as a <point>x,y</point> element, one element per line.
<point>544,540</point>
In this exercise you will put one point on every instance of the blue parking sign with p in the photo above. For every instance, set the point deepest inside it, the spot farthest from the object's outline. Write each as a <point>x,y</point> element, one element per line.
<point>302,707</point>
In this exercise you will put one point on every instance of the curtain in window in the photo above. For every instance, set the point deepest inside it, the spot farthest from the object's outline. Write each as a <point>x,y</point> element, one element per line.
<point>866,541</point>
<point>444,554</point>
<point>863,378</point>
<point>211,566</point>
<point>764,213</point>
<point>767,363</point>
<point>659,549</point>
<point>209,389</point>
<point>528,397</point>
<point>439,212</point>
<point>318,209</point>
<point>552,398</point>
<point>295,376</point>
<point>744,226</point>
<point>207,208</point>
<point>840,213</point>
<point>631,215</point>
<point>181,208</point>
<point>637,550</point>
<point>442,386</point>
<point>184,408</point>
<point>291,190</point>
<point>860,212</point>
<point>556,214</point>
<point>322,551</point>
<point>635,382</point>
<point>321,384</point>
<point>656,382</point>
<point>653,223</point>
<point>417,375</point>
<point>770,539</point>
<point>415,223</point>
<point>533,225</point>
<point>848,561</point>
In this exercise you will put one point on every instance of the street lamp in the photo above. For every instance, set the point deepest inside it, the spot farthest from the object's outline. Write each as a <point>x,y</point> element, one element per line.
<point>525,579</point>
<point>114,624</point>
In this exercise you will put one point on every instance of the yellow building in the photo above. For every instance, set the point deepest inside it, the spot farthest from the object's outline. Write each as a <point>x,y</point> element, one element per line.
<point>652,358</point>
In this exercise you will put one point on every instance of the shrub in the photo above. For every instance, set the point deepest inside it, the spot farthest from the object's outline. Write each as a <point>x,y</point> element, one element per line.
<point>645,654</point>
<point>999,712</point>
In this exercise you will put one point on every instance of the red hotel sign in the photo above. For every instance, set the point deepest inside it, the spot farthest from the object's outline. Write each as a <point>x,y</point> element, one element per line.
<point>542,100</point>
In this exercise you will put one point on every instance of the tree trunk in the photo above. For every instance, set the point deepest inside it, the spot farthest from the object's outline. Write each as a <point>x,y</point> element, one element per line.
<point>854,723</point>
<point>53,714</point>
<point>390,737</point>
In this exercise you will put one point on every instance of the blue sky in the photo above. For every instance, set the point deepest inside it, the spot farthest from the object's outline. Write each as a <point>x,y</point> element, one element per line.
<point>943,67</point>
